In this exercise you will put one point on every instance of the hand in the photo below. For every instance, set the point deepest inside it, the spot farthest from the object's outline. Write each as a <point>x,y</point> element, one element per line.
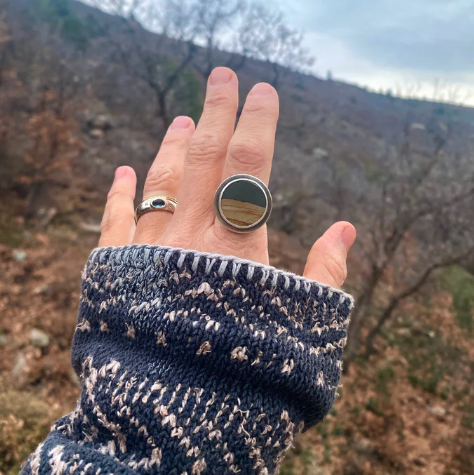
<point>191,164</point>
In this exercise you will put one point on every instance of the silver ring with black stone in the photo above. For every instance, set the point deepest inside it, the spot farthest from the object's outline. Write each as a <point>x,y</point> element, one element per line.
<point>243,203</point>
<point>155,203</point>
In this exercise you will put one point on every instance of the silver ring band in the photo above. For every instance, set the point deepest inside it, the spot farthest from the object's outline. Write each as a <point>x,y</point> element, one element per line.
<point>243,203</point>
<point>155,203</point>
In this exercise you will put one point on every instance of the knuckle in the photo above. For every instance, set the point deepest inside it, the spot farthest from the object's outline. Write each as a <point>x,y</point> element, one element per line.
<point>261,108</point>
<point>115,193</point>
<point>216,100</point>
<point>115,216</point>
<point>336,267</point>
<point>173,140</point>
<point>249,154</point>
<point>206,146</point>
<point>108,221</point>
<point>161,178</point>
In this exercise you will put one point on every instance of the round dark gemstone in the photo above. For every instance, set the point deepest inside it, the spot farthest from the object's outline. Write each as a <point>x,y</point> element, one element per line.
<point>158,203</point>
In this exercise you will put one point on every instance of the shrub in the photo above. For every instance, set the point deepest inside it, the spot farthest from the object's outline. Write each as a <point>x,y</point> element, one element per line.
<point>24,423</point>
<point>460,284</point>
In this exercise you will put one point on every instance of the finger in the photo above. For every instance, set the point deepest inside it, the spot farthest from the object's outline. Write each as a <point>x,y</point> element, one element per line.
<point>251,148</point>
<point>164,178</point>
<point>327,260</point>
<point>118,224</point>
<point>205,161</point>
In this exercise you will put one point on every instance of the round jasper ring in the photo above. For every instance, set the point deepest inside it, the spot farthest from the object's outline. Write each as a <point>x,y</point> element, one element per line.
<point>243,203</point>
<point>156,203</point>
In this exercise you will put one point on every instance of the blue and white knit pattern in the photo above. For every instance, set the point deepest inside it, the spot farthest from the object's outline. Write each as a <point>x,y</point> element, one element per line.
<point>194,364</point>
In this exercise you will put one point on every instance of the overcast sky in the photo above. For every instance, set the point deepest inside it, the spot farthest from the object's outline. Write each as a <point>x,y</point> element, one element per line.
<point>404,45</point>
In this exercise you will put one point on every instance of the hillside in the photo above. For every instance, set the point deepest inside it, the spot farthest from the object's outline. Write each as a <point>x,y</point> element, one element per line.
<point>71,111</point>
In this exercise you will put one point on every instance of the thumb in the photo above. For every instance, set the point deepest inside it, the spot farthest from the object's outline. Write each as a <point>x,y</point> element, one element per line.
<point>326,261</point>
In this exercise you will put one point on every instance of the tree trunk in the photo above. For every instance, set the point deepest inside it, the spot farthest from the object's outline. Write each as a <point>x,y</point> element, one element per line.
<point>363,306</point>
<point>162,110</point>
<point>30,210</point>
<point>417,285</point>
<point>369,345</point>
<point>276,76</point>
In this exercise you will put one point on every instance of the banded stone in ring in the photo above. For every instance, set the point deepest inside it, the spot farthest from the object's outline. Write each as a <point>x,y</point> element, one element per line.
<point>243,203</point>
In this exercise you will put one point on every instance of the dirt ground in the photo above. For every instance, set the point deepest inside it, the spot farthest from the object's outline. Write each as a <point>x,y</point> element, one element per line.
<point>407,410</point>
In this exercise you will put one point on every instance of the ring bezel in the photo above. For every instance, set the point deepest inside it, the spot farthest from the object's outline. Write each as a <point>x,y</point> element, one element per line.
<point>218,199</point>
<point>146,206</point>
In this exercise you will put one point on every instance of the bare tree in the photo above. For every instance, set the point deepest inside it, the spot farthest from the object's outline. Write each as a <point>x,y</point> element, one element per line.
<point>227,32</point>
<point>444,91</point>
<point>5,46</point>
<point>411,289</point>
<point>265,36</point>
<point>216,18</point>
<point>158,62</point>
<point>419,221</point>
<point>38,102</point>
<point>248,30</point>
<point>52,128</point>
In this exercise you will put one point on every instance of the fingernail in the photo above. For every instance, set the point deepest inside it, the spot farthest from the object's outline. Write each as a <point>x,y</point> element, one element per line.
<point>348,237</point>
<point>120,172</point>
<point>220,76</point>
<point>261,89</point>
<point>181,122</point>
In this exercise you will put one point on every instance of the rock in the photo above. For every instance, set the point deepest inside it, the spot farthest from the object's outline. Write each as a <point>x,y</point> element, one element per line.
<point>3,340</point>
<point>363,445</point>
<point>38,338</point>
<point>278,197</point>
<point>46,215</point>
<point>320,153</point>
<point>43,289</point>
<point>19,255</point>
<point>74,378</point>
<point>90,227</point>
<point>100,122</point>
<point>19,369</point>
<point>443,126</point>
<point>97,133</point>
<point>437,411</point>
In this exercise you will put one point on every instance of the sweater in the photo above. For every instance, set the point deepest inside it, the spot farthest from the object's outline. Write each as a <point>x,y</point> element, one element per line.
<point>194,364</point>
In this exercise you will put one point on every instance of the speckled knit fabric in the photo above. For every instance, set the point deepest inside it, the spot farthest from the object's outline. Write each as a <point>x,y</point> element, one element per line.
<point>194,364</point>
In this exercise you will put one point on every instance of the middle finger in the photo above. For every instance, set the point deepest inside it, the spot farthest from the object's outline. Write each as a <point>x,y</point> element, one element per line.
<point>205,161</point>
<point>251,148</point>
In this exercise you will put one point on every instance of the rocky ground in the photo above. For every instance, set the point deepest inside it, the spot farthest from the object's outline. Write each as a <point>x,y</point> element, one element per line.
<point>407,410</point>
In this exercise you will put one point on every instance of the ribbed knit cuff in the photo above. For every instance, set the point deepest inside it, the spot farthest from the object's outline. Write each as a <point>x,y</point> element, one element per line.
<point>201,362</point>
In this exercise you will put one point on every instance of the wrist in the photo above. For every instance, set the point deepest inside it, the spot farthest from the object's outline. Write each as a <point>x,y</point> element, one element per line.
<point>220,352</point>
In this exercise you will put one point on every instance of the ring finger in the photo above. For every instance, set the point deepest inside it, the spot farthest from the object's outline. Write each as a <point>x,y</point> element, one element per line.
<point>251,152</point>
<point>164,179</point>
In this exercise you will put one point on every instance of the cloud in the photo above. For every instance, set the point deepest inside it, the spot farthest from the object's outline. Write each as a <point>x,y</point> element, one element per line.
<point>418,40</point>
<point>434,35</point>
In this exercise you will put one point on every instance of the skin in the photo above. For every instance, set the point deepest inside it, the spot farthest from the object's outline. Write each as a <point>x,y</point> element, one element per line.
<point>191,164</point>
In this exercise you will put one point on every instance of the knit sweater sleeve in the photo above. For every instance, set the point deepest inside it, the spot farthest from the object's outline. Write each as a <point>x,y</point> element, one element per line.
<point>194,364</point>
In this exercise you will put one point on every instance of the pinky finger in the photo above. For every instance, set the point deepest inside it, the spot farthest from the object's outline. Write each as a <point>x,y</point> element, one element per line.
<point>118,223</point>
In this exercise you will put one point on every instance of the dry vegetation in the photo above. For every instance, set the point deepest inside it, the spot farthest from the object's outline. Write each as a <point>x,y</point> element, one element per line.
<point>75,102</point>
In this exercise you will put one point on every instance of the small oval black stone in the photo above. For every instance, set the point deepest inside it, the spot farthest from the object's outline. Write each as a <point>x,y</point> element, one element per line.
<point>158,203</point>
